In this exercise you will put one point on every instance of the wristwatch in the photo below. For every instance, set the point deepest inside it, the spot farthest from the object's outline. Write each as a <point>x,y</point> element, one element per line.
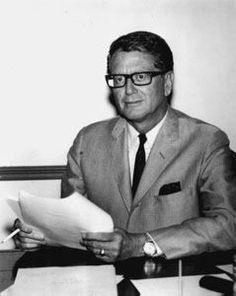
<point>149,247</point>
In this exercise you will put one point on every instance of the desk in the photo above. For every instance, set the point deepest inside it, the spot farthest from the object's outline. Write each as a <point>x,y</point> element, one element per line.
<point>135,268</point>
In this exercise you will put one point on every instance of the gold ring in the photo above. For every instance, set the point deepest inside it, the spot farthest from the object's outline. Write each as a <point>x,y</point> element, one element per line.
<point>102,252</point>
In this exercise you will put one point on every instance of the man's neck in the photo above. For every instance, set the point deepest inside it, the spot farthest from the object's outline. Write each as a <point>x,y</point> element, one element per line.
<point>145,126</point>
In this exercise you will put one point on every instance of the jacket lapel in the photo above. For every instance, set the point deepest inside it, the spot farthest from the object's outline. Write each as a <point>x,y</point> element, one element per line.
<point>162,151</point>
<point>120,161</point>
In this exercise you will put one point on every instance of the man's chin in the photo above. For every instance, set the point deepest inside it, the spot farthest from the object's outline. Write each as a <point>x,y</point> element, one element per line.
<point>133,117</point>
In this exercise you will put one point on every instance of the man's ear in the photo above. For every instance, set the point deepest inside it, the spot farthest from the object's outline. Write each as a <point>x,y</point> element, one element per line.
<point>168,84</point>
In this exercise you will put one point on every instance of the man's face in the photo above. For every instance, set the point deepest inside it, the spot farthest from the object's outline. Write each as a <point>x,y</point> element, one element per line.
<point>141,105</point>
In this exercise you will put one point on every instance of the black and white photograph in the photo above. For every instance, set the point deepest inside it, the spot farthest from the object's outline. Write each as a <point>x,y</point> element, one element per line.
<point>118,148</point>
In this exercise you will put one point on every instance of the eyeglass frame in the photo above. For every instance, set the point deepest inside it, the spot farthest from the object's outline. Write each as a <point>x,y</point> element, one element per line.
<point>126,76</point>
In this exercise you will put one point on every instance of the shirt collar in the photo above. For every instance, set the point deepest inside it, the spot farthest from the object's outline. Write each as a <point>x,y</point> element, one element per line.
<point>151,135</point>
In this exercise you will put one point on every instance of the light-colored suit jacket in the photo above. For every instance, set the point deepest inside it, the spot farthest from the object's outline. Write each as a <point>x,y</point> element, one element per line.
<point>187,192</point>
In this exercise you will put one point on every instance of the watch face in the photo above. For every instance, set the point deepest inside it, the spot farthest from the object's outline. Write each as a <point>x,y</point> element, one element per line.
<point>149,249</point>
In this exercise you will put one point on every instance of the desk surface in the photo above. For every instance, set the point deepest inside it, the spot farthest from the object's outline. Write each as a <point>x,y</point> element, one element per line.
<point>135,268</point>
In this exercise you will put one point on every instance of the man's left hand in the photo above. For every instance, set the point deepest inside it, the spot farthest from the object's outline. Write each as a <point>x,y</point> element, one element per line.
<point>113,246</point>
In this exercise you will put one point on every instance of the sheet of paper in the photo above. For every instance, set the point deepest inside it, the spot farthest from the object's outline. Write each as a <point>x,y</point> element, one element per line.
<point>63,281</point>
<point>170,286</point>
<point>227,268</point>
<point>63,220</point>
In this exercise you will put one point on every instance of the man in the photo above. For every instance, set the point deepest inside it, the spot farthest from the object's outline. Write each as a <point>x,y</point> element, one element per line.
<point>182,201</point>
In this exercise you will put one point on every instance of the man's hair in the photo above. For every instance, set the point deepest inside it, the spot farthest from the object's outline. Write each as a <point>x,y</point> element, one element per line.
<point>144,42</point>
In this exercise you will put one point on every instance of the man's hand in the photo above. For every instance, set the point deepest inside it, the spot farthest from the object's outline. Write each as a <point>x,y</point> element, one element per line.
<point>28,238</point>
<point>113,246</point>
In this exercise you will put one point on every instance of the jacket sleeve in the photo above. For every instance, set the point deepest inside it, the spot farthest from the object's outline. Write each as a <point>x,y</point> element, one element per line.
<point>73,180</point>
<point>215,228</point>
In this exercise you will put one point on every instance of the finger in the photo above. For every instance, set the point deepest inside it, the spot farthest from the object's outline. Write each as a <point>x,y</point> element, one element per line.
<point>96,247</point>
<point>27,243</point>
<point>96,251</point>
<point>28,231</point>
<point>34,236</point>
<point>28,246</point>
<point>101,253</point>
<point>22,226</point>
<point>92,245</point>
<point>23,245</point>
<point>97,244</point>
<point>30,240</point>
<point>98,236</point>
<point>106,256</point>
<point>109,253</point>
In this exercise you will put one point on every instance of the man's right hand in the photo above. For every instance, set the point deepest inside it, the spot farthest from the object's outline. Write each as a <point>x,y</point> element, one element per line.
<point>28,238</point>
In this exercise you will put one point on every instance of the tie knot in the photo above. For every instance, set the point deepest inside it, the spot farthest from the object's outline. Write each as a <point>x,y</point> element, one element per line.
<point>142,139</point>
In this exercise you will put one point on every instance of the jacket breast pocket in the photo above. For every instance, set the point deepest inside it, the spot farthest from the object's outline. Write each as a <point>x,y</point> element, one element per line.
<point>176,207</point>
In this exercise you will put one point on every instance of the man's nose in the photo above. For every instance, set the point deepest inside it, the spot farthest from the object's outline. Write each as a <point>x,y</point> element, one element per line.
<point>129,87</point>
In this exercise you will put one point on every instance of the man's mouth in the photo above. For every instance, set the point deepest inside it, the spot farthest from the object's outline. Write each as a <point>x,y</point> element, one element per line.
<point>132,103</point>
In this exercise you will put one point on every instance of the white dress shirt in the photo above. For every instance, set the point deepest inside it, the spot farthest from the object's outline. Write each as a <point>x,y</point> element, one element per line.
<point>133,143</point>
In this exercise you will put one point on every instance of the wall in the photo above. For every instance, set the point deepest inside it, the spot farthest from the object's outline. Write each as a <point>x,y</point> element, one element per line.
<point>53,61</point>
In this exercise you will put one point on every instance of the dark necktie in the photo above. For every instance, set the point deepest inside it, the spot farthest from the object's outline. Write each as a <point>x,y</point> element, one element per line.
<point>139,163</point>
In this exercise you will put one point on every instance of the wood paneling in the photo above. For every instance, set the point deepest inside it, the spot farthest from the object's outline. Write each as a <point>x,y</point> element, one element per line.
<point>32,172</point>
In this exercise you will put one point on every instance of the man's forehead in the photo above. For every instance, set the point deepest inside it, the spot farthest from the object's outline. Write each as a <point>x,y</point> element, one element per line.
<point>131,57</point>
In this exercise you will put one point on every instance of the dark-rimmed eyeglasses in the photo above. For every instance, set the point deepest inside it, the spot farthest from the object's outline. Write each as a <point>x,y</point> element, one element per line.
<point>138,78</point>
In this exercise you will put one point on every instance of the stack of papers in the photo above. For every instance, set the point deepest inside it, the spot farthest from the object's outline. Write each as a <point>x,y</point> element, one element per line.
<point>63,220</point>
<point>63,281</point>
